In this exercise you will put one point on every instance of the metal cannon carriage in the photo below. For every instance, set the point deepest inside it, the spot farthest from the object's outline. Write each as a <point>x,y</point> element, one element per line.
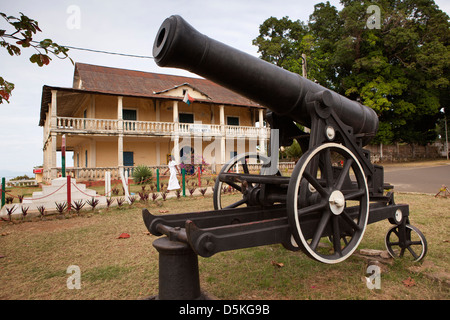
<point>334,190</point>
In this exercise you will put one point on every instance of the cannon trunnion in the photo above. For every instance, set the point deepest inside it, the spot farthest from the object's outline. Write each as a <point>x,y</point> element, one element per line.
<point>334,191</point>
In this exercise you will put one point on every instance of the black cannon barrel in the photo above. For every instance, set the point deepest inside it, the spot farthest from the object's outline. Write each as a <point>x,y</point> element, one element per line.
<point>179,45</point>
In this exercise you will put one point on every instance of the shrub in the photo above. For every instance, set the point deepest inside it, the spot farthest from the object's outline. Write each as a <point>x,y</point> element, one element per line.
<point>142,174</point>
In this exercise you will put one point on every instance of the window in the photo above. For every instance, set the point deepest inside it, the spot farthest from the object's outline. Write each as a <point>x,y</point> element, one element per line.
<point>129,114</point>
<point>86,158</point>
<point>186,117</point>
<point>233,121</point>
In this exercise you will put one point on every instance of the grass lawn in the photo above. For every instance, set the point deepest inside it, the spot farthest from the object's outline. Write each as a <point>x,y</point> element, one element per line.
<point>35,255</point>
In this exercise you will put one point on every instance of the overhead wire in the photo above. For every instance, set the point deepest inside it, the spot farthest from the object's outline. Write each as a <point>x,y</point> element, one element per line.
<point>105,52</point>
<point>109,52</point>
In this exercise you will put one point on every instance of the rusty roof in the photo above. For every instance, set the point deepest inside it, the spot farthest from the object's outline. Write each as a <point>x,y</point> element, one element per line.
<point>152,85</point>
<point>114,81</point>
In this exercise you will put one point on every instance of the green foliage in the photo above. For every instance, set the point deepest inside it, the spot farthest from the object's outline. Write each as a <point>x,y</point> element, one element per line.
<point>21,35</point>
<point>294,151</point>
<point>400,70</point>
<point>142,174</point>
<point>24,177</point>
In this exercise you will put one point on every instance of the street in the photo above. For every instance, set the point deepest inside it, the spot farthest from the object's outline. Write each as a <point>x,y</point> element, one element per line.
<point>422,178</point>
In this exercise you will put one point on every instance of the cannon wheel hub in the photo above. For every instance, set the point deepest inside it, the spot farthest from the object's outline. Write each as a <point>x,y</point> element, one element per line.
<point>337,202</point>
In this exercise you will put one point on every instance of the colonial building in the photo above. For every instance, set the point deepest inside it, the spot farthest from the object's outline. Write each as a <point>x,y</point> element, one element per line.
<point>115,119</point>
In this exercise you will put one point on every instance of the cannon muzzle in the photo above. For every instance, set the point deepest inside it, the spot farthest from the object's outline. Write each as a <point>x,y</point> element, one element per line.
<point>179,45</point>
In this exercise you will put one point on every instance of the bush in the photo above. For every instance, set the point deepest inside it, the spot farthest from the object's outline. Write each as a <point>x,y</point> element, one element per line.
<point>142,174</point>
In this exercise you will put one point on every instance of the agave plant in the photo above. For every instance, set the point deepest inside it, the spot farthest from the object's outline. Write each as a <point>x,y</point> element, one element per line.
<point>120,201</point>
<point>93,203</point>
<point>142,174</point>
<point>78,205</point>
<point>60,207</point>
<point>109,202</point>
<point>10,211</point>
<point>132,199</point>
<point>24,211</point>
<point>143,196</point>
<point>41,210</point>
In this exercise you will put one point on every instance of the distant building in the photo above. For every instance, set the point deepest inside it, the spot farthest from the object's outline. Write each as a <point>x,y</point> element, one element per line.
<point>115,119</point>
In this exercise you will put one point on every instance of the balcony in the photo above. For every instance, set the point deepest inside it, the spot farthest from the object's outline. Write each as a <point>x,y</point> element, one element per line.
<point>153,128</point>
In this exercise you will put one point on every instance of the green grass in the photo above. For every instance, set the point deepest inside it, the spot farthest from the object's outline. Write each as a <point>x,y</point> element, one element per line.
<point>37,253</point>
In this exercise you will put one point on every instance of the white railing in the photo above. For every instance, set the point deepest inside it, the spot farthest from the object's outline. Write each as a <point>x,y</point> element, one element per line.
<point>86,124</point>
<point>155,127</point>
<point>199,128</point>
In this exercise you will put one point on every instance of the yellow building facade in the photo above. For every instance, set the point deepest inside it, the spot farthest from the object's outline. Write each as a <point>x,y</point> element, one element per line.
<point>115,119</point>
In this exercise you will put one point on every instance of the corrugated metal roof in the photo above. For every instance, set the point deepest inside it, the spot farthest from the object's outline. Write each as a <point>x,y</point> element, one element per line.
<point>147,84</point>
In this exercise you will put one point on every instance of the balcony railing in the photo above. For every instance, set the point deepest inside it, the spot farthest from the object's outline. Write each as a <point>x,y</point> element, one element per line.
<point>111,126</point>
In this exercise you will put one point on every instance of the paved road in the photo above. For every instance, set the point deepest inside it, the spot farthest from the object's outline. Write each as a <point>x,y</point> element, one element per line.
<point>422,179</point>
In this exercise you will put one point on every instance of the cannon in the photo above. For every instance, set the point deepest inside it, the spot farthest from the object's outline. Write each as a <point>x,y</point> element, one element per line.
<point>334,191</point>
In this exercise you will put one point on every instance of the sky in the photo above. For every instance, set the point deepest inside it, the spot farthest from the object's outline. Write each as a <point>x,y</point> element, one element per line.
<point>117,26</point>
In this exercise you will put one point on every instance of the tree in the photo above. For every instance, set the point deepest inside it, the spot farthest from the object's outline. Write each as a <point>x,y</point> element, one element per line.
<point>401,70</point>
<point>21,36</point>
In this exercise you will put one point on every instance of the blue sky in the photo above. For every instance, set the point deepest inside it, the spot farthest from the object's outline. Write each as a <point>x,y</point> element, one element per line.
<point>117,26</point>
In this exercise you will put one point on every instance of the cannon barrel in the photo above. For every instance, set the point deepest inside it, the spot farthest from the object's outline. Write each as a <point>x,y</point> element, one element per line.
<point>179,45</point>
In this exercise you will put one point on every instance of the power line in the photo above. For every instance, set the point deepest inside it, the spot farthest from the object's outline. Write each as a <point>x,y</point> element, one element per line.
<point>105,52</point>
<point>108,52</point>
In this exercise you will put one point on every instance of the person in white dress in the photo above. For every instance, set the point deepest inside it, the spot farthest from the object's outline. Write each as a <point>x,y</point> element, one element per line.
<point>173,181</point>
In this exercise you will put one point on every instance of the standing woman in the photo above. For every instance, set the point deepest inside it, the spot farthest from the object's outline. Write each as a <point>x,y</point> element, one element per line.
<point>173,168</point>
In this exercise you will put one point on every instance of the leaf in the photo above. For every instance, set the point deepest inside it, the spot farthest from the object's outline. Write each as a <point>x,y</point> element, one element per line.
<point>123,236</point>
<point>4,95</point>
<point>409,282</point>
<point>45,59</point>
<point>277,264</point>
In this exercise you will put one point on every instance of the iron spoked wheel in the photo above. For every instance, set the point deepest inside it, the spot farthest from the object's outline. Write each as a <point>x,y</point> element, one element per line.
<point>328,199</point>
<point>241,161</point>
<point>403,239</point>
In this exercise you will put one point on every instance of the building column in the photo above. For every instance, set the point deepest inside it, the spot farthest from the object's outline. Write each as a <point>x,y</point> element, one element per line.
<point>53,149</point>
<point>176,136</point>
<point>158,119</point>
<point>120,129</point>
<point>53,111</point>
<point>223,134</point>
<point>262,135</point>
